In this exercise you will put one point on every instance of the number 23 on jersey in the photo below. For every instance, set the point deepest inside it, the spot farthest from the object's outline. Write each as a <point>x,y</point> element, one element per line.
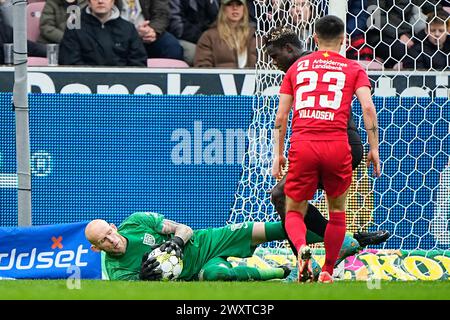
<point>334,82</point>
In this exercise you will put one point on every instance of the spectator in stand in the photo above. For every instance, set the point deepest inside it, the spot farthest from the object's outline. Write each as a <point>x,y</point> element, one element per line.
<point>54,19</point>
<point>151,19</point>
<point>433,52</point>
<point>301,17</point>
<point>357,18</point>
<point>103,39</point>
<point>230,42</point>
<point>266,16</point>
<point>392,29</point>
<point>6,36</point>
<point>252,8</point>
<point>296,14</point>
<point>189,19</point>
<point>6,10</point>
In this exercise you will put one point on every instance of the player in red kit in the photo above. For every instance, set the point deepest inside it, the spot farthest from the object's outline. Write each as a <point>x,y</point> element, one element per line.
<point>320,88</point>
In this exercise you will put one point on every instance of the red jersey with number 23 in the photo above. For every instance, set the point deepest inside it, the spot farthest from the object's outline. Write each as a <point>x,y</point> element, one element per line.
<point>323,84</point>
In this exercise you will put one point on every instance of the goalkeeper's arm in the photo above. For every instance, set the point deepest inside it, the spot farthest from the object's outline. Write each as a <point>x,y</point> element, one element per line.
<point>179,230</point>
<point>182,233</point>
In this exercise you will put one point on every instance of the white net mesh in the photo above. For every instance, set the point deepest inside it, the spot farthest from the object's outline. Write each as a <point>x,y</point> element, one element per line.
<point>412,197</point>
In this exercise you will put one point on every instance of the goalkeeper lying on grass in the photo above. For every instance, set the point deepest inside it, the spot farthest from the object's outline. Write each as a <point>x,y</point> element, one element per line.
<point>204,251</point>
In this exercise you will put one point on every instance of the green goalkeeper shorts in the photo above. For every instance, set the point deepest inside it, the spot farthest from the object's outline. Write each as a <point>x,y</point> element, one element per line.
<point>234,240</point>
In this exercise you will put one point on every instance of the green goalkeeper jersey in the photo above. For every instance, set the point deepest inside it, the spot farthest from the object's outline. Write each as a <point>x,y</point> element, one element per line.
<point>143,229</point>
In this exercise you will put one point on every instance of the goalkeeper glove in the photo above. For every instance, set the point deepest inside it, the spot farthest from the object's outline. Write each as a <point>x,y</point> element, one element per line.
<point>148,266</point>
<point>176,243</point>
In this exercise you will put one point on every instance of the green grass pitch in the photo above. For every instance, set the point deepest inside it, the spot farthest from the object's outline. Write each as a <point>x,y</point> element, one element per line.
<point>269,290</point>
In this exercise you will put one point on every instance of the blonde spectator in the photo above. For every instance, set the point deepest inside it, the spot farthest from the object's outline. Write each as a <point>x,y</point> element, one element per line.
<point>230,42</point>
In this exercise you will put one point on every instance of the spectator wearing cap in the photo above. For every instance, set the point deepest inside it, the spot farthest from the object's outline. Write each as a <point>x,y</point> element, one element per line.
<point>230,42</point>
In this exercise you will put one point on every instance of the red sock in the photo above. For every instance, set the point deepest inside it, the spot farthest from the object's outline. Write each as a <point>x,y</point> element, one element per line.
<point>296,228</point>
<point>334,236</point>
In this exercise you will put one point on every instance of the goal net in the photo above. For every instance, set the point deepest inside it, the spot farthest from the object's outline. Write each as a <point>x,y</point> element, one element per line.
<point>412,197</point>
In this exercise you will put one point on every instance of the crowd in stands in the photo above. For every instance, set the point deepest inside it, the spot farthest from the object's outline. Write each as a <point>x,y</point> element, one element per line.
<point>399,34</point>
<point>6,35</point>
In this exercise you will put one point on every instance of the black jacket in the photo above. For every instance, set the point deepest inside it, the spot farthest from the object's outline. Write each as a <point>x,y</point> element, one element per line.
<point>115,43</point>
<point>6,36</point>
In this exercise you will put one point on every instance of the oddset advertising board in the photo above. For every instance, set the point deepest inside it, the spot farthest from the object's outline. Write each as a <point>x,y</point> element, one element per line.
<point>47,252</point>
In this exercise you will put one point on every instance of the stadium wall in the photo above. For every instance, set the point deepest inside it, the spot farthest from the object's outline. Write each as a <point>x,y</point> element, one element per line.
<point>204,81</point>
<point>106,156</point>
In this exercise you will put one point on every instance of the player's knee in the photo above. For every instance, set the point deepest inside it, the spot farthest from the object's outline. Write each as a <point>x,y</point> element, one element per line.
<point>299,206</point>
<point>215,274</point>
<point>338,203</point>
<point>336,206</point>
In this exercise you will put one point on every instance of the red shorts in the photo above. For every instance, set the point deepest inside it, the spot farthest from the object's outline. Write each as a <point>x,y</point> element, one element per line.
<point>312,161</point>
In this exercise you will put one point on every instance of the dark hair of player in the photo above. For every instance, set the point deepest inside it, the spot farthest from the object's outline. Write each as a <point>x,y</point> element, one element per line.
<point>280,36</point>
<point>329,28</point>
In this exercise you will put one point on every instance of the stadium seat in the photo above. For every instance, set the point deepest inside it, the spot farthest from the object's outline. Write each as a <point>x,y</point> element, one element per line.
<point>34,11</point>
<point>371,65</point>
<point>37,61</point>
<point>166,63</point>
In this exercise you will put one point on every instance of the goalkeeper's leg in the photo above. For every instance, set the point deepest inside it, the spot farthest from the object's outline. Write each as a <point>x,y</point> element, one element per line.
<point>270,231</point>
<point>219,269</point>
